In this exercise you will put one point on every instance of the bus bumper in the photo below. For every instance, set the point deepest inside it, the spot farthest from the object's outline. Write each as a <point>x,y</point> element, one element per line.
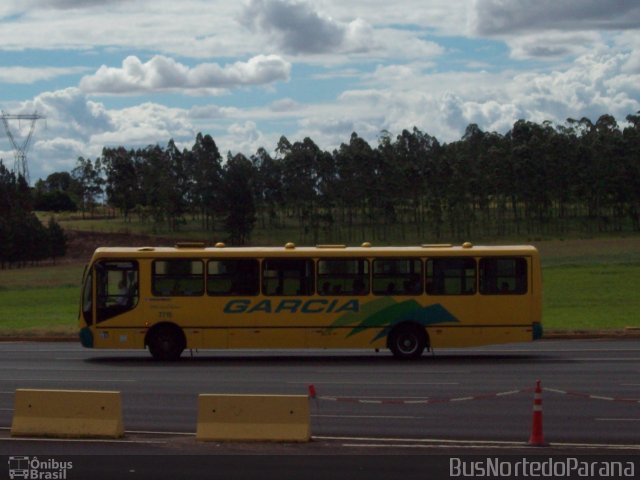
<point>86,337</point>
<point>537,331</point>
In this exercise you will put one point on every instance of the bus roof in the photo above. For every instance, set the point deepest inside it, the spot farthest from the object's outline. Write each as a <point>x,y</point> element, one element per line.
<point>290,250</point>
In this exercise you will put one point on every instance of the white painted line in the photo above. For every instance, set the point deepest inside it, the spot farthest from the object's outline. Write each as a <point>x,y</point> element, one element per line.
<point>58,380</point>
<point>389,417</point>
<point>149,432</point>
<point>80,440</point>
<point>395,445</point>
<point>617,419</point>
<point>340,382</point>
<point>448,442</point>
<point>378,397</point>
<point>415,440</point>
<point>555,390</point>
<point>596,359</point>
<point>502,394</point>
<point>600,397</point>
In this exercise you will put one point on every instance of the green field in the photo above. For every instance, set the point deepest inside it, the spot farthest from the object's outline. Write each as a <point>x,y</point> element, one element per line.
<point>588,285</point>
<point>40,300</point>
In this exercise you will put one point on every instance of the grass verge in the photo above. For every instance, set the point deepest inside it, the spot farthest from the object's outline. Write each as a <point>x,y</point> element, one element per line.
<point>588,285</point>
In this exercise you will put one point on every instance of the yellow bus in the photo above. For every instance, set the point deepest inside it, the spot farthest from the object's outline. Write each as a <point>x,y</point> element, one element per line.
<point>406,299</point>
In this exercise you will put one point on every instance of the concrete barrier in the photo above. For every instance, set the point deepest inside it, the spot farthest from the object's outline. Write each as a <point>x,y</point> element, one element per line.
<point>278,418</point>
<point>67,413</point>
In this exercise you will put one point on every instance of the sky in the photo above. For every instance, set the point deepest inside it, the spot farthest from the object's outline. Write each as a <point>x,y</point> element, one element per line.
<point>141,72</point>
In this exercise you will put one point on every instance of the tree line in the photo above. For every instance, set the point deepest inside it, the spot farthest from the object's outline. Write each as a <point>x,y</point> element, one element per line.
<point>23,238</point>
<point>536,179</point>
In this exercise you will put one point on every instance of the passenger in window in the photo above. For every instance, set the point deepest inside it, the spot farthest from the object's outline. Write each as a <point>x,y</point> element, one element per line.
<point>504,288</point>
<point>391,289</point>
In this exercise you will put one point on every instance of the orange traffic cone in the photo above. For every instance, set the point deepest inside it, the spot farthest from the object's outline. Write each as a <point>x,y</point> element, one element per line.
<point>537,438</point>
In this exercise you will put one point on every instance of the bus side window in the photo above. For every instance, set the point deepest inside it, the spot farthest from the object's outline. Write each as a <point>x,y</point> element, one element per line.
<point>451,276</point>
<point>287,277</point>
<point>180,278</point>
<point>397,276</point>
<point>338,276</point>
<point>503,276</point>
<point>233,277</point>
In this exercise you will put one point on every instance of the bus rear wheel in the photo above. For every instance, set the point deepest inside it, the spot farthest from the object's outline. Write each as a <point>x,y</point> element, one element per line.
<point>166,342</point>
<point>407,341</point>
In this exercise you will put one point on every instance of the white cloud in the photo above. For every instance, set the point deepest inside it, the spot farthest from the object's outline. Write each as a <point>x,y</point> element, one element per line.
<point>294,26</point>
<point>554,44</point>
<point>165,74</point>
<point>29,75</point>
<point>297,28</point>
<point>204,112</point>
<point>497,17</point>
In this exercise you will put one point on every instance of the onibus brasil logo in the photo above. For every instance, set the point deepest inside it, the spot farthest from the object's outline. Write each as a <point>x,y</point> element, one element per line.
<point>38,469</point>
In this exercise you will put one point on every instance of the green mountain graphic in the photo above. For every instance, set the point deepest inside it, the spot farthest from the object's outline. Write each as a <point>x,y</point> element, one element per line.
<point>386,312</point>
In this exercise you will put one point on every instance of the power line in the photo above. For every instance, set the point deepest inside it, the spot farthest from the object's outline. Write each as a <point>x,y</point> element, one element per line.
<point>20,149</point>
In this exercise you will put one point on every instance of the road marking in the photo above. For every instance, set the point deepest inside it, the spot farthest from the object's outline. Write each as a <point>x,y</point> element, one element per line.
<point>150,432</point>
<point>408,446</point>
<point>389,417</point>
<point>80,440</point>
<point>469,443</point>
<point>617,419</point>
<point>84,380</point>
<point>596,359</point>
<point>374,383</point>
<point>373,397</point>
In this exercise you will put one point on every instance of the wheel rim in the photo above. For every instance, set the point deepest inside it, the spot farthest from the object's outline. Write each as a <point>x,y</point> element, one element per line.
<point>407,343</point>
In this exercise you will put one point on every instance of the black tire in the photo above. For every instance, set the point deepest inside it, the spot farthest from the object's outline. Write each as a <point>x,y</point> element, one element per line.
<point>407,342</point>
<point>166,342</point>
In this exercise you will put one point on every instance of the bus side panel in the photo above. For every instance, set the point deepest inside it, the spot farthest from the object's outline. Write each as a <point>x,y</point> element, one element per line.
<point>107,337</point>
<point>256,337</point>
<point>344,338</point>
<point>469,336</point>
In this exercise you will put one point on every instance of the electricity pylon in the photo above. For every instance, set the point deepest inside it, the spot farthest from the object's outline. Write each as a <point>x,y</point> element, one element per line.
<point>20,149</point>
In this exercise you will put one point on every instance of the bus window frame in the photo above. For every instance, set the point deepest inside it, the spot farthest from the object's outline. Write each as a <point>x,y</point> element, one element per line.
<point>311,277</point>
<point>400,293</point>
<point>429,281</point>
<point>158,293</point>
<point>498,291</point>
<point>321,279</point>
<point>258,265</point>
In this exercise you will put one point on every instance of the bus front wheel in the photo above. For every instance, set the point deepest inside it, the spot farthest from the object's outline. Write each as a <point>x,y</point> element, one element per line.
<point>166,342</point>
<point>407,341</point>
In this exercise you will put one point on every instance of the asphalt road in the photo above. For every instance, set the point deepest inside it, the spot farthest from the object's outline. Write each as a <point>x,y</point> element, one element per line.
<point>374,416</point>
<point>481,394</point>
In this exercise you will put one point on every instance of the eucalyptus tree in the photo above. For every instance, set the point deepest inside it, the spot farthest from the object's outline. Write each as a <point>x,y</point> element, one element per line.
<point>238,195</point>
<point>204,169</point>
